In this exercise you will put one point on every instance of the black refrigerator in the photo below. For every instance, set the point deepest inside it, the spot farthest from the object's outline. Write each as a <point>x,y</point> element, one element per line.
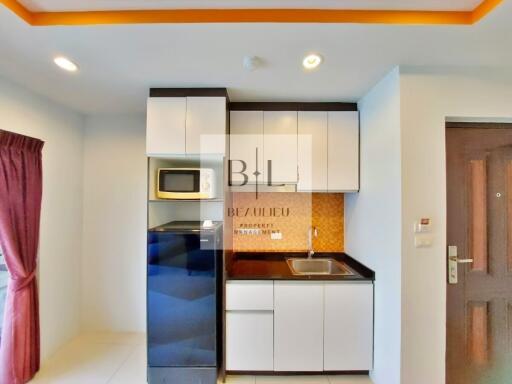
<point>184,302</point>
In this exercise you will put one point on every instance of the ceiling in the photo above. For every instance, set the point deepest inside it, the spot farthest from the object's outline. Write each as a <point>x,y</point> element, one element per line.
<point>83,5</point>
<point>119,63</point>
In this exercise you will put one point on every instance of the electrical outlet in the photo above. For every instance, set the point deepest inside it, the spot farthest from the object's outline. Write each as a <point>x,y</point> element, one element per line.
<point>276,236</point>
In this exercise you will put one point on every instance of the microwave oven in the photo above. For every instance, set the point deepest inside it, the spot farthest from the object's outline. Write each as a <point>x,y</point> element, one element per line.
<point>185,183</point>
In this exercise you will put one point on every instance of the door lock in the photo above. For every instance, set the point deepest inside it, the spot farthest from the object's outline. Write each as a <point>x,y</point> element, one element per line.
<point>453,264</point>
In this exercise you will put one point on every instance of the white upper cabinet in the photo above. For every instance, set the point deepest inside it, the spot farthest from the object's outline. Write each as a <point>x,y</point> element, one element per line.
<point>165,128</point>
<point>206,116</point>
<point>280,146</point>
<point>312,155</point>
<point>298,326</point>
<point>317,150</point>
<point>246,136</point>
<point>343,151</point>
<point>175,125</point>
<point>348,322</point>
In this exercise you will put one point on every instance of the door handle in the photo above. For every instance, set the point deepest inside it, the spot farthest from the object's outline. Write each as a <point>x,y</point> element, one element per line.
<point>460,261</point>
<point>453,264</point>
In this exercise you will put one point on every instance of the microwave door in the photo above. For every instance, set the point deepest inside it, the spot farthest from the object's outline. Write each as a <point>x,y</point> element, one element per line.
<point>179,181</point>
<point>179,184</point>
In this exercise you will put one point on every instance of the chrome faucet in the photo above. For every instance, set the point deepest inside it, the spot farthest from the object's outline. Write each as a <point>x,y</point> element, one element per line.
<point>312,232</point>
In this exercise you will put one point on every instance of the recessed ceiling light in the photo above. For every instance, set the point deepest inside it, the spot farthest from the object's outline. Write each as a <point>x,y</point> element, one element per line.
<point>312,61</point>
<point>252,63</point>
<point>65,64</point>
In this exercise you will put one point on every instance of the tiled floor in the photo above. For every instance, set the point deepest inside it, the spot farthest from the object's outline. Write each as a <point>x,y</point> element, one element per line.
<point>121,359</point>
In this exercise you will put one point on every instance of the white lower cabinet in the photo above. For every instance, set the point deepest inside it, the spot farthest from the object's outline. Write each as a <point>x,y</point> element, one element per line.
<point>310,326</point>
<point>250,325</point>
<point>250,341</point>
<point>348,326</point>
<point>298,326</point>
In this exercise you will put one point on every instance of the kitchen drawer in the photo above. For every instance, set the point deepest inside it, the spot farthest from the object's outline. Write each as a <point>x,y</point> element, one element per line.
<point>250,295</point>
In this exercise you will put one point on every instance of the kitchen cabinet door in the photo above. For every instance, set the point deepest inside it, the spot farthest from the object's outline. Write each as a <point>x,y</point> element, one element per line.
<point>280,146</point>
<point>246,136</point>
<point>348,332</point>
<point>343,151</point>
<point>165,126</point>
<point>312,154</point>
<point>298,326</point>
<point>249,341</point>
<point>206,116</point>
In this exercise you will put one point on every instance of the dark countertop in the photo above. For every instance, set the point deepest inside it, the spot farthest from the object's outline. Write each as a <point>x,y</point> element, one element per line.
<point>273,266</point>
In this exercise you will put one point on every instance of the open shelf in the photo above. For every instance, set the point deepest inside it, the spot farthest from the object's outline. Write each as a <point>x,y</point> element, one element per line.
<point>216,163</point>
<point>164,211</point>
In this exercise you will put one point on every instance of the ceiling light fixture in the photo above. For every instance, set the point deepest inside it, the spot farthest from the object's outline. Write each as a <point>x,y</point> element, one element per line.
<point>312,61</point>
<point>251,63</point>
<point>65,64</point>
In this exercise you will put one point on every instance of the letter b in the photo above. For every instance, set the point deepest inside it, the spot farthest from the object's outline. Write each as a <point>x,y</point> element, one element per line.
<point>242,172</point>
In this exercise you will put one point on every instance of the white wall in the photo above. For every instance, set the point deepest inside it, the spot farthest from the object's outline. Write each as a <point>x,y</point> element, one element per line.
<point>61,218</point>
<point>101,172</point>
<point>373,219</point>
<point>114,226</point>
<point>427,100</point>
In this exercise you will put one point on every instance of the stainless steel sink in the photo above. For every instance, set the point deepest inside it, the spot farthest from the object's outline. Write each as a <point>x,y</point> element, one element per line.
<point>318,267</point>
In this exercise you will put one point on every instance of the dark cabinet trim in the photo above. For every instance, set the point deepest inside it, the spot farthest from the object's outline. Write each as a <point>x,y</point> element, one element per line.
<point>477,125</point>
<point>298,373</point>
<point>252,106</point>
<point>192,92</point>
<point>291,106</point>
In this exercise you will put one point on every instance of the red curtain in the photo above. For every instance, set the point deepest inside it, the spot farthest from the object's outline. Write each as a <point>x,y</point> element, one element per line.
<point>20,209</point>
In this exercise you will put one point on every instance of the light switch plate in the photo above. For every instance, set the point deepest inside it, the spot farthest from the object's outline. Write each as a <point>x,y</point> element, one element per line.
<point>422,241</point>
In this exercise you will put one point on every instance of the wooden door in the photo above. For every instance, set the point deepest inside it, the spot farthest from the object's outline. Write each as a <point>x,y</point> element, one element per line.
<point>479,305</point>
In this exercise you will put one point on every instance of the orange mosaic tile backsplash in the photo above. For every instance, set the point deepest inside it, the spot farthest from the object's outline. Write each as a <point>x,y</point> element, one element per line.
<point>291,214</point>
